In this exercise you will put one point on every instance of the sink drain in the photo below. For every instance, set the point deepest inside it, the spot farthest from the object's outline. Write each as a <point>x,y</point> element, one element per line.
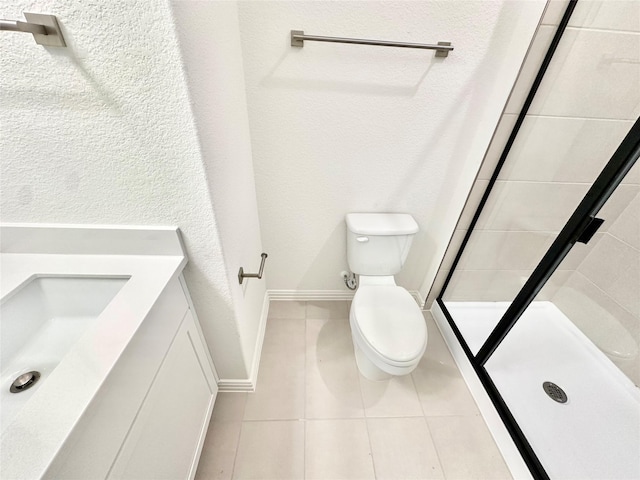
<point>24,382</point>
<point>555,392</point>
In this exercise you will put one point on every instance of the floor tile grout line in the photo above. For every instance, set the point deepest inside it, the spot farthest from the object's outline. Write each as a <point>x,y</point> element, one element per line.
<point>237,447</point>
<point>415,387</point>
<point>413,380</point>
<point>289,419</point>
<point>306,358</point>
<point>244,407</point>
<point>435,447</point>
<point>372,417</point>
<point>366,420</point>
<point>373,461</point>
<point>304,395</point>
<point>235,455</point>
<point>425,416</point>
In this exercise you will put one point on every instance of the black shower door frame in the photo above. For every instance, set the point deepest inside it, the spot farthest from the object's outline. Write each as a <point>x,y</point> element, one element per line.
<point>580,227</point>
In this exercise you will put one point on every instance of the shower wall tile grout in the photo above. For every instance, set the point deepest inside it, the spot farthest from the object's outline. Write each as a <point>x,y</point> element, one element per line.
<point>564,142</point>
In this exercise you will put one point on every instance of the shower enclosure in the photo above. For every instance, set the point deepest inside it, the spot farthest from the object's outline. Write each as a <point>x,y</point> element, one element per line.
<point>543,294</point>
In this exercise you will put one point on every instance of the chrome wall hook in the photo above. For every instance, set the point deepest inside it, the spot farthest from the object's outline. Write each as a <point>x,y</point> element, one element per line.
<point>242,275</point>
<point>44,28</point>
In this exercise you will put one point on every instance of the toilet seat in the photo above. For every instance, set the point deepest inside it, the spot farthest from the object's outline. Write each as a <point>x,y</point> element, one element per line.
<point>388,324</point>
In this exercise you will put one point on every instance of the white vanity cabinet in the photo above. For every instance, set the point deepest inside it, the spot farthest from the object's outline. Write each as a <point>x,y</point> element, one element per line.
<point>152,412</point>
<point>166,436</point>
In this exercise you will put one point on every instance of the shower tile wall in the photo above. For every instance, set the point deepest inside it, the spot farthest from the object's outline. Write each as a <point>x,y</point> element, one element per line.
<point>587,102</point>
<point>609,276</point>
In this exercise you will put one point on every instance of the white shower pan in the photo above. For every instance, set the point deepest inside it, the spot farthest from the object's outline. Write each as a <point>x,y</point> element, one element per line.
<point>596,433</point>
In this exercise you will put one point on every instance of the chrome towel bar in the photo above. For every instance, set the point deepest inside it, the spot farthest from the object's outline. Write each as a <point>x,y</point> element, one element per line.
<point>44,28</point>
<point>298,37</point>
<point>242,275</point>
<point>18,26</point>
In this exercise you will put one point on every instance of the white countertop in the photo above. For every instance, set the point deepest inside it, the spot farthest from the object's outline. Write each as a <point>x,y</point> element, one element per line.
<point>40,428</point>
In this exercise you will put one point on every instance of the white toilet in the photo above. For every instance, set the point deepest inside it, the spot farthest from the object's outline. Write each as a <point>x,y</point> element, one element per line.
<point>387,327</point>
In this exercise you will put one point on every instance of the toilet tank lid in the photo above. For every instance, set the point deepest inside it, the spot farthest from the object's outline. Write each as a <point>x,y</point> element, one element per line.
<point>381,223</point>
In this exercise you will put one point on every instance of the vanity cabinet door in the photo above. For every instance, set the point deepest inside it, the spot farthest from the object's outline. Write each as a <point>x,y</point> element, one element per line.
<point>165,440</point>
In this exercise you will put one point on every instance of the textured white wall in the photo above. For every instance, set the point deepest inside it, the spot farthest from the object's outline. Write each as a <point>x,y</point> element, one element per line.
<point>209,37</point>
<point>346,128</point>
<point>102,132</point>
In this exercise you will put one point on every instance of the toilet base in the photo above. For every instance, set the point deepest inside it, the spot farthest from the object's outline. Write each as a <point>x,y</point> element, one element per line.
<point>367,368</point>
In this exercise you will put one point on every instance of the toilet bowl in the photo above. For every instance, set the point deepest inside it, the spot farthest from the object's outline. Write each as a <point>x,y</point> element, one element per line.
<point>388,329</point>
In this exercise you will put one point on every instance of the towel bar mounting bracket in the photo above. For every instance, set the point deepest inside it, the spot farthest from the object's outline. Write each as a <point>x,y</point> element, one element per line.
<point>44,28</point>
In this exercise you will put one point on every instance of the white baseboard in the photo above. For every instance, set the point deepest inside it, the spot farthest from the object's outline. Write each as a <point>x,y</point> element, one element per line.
<point>236,385</point>
<point>310,295</point>
<point>418,298</point>
<point>509,451</point>
<point>259,342</point>
<point>249,384</point>
<point>326,295</point>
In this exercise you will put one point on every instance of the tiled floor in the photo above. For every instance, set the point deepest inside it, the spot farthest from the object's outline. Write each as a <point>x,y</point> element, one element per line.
<point>314,416</point>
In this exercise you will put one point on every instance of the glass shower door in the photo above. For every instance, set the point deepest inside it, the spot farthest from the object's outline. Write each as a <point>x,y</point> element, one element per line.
<point>551,326</point>
<point>569,368</point>
<point>578,112</point>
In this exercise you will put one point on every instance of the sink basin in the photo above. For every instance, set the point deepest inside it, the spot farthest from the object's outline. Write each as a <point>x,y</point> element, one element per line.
<point>39,323</point>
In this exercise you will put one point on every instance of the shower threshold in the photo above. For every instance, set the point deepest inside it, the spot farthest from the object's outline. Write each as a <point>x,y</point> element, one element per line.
<point>595,434</point>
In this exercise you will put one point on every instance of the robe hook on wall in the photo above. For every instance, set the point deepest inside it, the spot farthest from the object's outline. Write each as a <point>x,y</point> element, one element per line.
<point>44,28</point>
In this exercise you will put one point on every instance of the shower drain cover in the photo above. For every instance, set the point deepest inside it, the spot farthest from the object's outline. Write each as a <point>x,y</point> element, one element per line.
<point>555,392</point>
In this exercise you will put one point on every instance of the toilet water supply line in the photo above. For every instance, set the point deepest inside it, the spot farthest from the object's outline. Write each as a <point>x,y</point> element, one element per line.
<point>349,280</point>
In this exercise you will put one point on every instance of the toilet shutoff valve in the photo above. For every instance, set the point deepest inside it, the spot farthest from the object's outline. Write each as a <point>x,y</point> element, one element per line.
<point>349,280</point>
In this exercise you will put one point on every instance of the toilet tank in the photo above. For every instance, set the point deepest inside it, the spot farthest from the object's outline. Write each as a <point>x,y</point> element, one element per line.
<point>378,243</point>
